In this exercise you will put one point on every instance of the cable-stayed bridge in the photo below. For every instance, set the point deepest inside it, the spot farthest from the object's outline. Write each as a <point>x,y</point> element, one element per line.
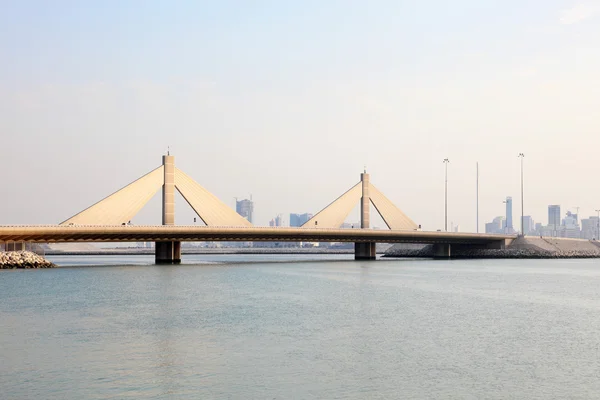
<point>107,221</point>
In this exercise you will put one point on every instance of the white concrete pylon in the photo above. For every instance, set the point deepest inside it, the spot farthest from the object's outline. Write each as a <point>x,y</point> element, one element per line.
<point>208,207</point>
<point>393,217</point>
<point>121,206</point>
<point>335,213</point>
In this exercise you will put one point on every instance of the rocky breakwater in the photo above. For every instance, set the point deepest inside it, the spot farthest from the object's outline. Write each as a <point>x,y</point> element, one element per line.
<point>23,259</point>
<point>522,247</point>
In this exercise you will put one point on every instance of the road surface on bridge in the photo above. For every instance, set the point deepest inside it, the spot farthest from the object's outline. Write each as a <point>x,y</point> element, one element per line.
<point>145,233</point>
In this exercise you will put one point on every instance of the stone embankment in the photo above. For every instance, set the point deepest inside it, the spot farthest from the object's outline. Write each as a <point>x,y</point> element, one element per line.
<point>522,247</point>
<point>23,259</point>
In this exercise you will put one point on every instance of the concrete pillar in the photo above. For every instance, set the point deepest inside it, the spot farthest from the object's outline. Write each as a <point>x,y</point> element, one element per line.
<point>365,251</point>
<point>168,252</point>
<point>168,206</point>
<point>15,246</point>
<point>442,251</point>
<point>365,217</point>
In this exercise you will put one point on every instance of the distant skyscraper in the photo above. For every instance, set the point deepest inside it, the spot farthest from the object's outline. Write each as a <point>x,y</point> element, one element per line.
<point>528,225</point>
<point>553,217</point>
<point>299,219</point>
<point>245,208</point>
<point>570,226</point>
<point>496,226</point>
<point>277,221</point>
<point>589,228</point>
<point>509,221</point>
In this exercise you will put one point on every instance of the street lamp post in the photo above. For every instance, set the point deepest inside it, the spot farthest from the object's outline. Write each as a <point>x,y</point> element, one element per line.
<point>446,161</point>
<point>522,156</point>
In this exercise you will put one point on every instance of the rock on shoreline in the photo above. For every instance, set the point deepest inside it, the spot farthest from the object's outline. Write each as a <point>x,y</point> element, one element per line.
<point>23,259</point>
<point>522,247</point>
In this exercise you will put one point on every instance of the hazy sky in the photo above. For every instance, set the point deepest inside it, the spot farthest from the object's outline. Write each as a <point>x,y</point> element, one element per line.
<point>288,100</point>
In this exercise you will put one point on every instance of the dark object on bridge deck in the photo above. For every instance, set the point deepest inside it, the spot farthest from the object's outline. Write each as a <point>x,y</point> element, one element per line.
<point>365,251</point>
<point>168,252</point>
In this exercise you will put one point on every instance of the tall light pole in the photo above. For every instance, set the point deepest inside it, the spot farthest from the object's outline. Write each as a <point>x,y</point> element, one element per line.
<point>446,161</point>
<point>522,156</point>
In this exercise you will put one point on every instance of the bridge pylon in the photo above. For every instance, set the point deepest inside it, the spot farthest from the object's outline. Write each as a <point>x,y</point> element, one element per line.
<point>365,250</point>
<point>366,194</point>
<point>121,206</point>
<point>168,252</point>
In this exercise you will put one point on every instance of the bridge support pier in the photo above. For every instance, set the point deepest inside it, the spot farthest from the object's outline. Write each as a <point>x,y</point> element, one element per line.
<point>167,252</point>
<point>14,246</point>
<point>365,251</point>
<point>442,251</point>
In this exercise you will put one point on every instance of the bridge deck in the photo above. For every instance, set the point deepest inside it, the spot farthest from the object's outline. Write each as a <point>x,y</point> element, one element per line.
<point>144,233</point>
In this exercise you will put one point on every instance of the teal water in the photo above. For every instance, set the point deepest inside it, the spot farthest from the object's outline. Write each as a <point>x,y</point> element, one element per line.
<point>301,327</point>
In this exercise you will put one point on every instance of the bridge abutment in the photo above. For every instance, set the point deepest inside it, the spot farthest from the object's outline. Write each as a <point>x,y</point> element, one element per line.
<point>365,251</point>
<point>167,252</point>
<point>498,245</point>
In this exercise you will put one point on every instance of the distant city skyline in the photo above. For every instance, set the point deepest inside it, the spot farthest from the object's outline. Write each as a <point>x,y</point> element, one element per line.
<point>299,219</point>
<point>570,225</point>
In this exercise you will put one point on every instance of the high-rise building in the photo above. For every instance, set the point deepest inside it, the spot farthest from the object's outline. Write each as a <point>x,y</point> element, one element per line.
<point>245,208</point>
<point>528,225</point>
<point>553,217</point>
<point>509,220</point>
<point>496,226</point>
<point>570,220</point>
<point>299,219</point>
<point>277,221</point>
<point>590,228</point>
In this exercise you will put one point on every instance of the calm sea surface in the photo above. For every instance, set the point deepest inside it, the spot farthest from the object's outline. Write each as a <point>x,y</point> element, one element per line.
<point>301,327</point>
